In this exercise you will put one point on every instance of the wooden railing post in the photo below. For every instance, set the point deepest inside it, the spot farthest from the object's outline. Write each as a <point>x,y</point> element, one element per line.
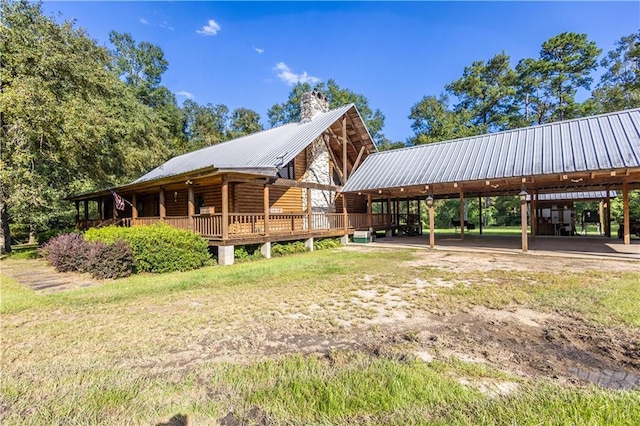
<point>163,204</point>
<point>369,212</point>
<point>225,207</point>
<point>265,198</point>
<point>86,210</point>
<point>191,205</point>
<point>309,211</point>
<point>100,208</point>
<point>134,208</point>
<point>344,212</point>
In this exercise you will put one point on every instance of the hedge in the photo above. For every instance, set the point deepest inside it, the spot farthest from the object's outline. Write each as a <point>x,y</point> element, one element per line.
<point>157,248</point>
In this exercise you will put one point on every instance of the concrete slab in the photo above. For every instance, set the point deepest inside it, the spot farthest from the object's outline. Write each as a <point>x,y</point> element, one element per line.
<point>577,246</point>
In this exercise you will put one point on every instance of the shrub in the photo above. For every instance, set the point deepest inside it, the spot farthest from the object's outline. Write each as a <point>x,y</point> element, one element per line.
<point>109,261</point>
<point>281,249</point>
<point>66,252</point>
<point>157,248</point>
<point>326,243</point>
<point>72,253</point>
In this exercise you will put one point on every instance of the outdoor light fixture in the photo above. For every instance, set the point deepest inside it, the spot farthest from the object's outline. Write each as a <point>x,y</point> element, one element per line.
<point>429,201</point>
<point>175,196</point>
<point>523,195</point>
<point>188,182</point>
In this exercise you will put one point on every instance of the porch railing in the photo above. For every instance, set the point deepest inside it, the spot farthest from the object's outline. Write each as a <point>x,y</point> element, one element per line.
<point>208,226</point>
<point>250,224</point>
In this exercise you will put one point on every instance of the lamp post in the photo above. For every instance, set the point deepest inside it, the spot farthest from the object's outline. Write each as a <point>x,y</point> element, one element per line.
<point>429,201</point>
<point>523,218</point>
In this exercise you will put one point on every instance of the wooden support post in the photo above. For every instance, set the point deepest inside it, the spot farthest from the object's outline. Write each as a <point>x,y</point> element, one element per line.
<point>607,214</point>
<point>432,231</point>
<point>77,211</point>
<point>397,211</point>
<point>625,212</point>
<point>344,211</point>
<point>191,205</point>
<point>389,220</point>
<point>461,215</point>
<point>114,210</point>
<point>163,204</point>
<point>601,217</point>
<point>480,213</point>
<point>523,221</point>
<point>369,212</point>
<point>265,205</point>
<point>225,208</point>
<point>344,149</point>
<point>534,215</point>
<point>134,208</point>
<point>86,209</point>
<point>100,209</point>
<point>309,210</point>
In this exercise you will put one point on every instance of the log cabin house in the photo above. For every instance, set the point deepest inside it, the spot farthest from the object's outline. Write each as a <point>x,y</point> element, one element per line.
<point>275,185</point>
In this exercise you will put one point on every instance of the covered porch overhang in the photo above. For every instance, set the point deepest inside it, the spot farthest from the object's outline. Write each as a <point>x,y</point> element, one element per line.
<point>528,188</point>
<point>227,226</point>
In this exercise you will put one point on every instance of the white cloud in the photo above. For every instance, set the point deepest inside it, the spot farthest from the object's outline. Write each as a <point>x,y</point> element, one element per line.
<point>186,94</point>
<point>211,28</point>
<point>290,78</point>
<point>166,25</point>
<point>144,21</point>
<point>259,50</point>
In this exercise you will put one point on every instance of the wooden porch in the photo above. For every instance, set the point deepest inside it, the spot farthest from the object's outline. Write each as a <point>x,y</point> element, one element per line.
<point>242,228</point>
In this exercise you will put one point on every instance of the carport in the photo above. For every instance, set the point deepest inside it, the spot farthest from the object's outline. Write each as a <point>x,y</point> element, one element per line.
<point>598,153</point>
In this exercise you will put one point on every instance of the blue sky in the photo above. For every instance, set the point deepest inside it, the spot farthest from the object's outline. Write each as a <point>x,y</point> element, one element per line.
<point>247,54</point>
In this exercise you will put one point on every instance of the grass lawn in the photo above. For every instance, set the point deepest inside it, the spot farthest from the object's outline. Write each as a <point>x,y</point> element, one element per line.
<point>330,337</point>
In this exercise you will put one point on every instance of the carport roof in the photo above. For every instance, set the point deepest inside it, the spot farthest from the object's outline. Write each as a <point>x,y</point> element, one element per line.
<point>580,195</point>
<point>603,142</point>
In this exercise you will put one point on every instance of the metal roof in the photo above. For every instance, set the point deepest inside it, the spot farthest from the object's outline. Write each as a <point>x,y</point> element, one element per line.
<point>262,151</point>
<point>602,142</point>
<point>583,195</point>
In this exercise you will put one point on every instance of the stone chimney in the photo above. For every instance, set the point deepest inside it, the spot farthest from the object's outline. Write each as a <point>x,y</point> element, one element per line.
<point>312,104</point>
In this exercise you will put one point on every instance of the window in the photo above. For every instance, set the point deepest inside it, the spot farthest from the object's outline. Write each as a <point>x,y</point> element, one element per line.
<point>287,172</point>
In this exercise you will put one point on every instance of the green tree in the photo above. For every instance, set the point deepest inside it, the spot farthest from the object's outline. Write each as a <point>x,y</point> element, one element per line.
<point>67,123</point>
<point>388,144</point>
<point>486,91</point>
<point>619,86</point>
<point>550,83</point>
<point>205,124</point>
<point>140,65</point>
<point>434,121</point>
<point>289,111</point>
<point>243,121</point>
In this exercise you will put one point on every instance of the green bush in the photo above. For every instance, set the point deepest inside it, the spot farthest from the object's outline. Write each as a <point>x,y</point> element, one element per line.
<point>281,249</point>
<point>157,248</point>
<point>326,243</point>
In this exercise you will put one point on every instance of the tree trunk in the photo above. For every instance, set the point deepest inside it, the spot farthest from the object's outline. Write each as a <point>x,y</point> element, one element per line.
<point>32,234</point>
<point>5,233</point>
